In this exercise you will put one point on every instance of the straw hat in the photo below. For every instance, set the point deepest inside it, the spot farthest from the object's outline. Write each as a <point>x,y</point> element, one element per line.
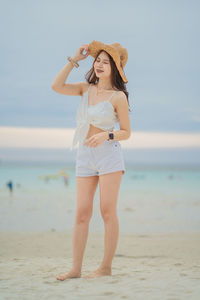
<point>118,53</point>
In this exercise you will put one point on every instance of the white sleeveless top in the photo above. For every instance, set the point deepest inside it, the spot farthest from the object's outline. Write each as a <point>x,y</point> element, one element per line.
<point>101,115</point>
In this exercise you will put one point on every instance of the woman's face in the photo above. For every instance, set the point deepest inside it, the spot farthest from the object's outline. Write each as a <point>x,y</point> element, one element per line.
<point>102,63</point>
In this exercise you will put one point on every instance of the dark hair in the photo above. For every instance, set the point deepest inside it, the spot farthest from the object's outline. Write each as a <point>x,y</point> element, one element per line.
<point>116,79</point>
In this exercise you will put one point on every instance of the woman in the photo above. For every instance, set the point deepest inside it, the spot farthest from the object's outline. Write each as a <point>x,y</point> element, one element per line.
<point>99,156</point>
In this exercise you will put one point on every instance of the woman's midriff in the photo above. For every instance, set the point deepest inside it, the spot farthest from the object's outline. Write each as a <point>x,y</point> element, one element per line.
<point>93,130</point>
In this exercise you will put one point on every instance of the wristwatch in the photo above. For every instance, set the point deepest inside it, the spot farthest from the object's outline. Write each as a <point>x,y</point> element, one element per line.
<point>110,135</point>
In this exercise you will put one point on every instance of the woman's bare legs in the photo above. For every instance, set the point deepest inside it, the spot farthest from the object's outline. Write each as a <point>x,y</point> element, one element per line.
<point>109,190</point>
<point>86,187</point>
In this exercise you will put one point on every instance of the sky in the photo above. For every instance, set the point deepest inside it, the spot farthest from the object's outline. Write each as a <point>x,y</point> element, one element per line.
<point>162,40</point>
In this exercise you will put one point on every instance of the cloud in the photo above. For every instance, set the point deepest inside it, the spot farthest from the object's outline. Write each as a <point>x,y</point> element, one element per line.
<point>196,118</point>
<point>59,138</point>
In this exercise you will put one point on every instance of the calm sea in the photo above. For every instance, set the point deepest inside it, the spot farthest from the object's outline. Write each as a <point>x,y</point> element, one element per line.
<point>152,199</point>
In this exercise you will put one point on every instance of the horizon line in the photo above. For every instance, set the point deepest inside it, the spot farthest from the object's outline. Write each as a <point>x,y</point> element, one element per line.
<point>60,138</point>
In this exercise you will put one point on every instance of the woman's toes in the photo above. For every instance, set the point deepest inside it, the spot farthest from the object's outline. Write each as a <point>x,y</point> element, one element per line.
<point>68,275</point>
<point>60,277</point>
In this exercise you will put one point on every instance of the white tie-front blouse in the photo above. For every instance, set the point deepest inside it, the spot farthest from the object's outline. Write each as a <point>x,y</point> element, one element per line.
<point>101,115</point>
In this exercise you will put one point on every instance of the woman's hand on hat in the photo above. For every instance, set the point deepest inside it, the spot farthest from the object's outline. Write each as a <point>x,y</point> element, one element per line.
<point>79,53</point>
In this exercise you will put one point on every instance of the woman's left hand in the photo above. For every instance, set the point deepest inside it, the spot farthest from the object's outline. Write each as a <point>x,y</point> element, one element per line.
<point>96,139</point>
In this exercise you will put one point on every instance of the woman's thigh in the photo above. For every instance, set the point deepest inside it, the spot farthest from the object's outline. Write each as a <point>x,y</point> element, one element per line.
<point>85,191</point>
<point>109,185</point>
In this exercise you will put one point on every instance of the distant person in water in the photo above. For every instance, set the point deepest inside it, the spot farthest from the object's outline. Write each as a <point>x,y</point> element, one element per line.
<point>66,179</point>
<point>10,186</point>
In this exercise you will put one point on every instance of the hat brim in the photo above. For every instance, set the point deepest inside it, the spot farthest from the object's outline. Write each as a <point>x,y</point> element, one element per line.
<point>95,46</point>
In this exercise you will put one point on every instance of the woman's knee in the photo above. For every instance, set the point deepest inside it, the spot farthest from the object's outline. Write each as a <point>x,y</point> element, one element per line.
<point>108,214</point>
<point>83,216</point>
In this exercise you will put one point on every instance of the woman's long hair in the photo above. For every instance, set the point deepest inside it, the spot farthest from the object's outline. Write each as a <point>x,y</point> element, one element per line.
<point>116,79</point>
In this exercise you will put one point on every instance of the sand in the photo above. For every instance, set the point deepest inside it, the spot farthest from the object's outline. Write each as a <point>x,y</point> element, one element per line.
<point>156,266</point>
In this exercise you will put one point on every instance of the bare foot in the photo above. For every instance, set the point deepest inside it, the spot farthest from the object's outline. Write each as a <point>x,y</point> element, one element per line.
<point>70,274</point>
<point>98,273</point>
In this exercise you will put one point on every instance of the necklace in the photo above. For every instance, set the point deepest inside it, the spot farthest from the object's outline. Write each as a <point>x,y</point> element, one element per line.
<point>100,91</point>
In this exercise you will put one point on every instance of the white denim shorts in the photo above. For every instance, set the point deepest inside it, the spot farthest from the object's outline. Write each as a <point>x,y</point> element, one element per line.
<point>106,158</point>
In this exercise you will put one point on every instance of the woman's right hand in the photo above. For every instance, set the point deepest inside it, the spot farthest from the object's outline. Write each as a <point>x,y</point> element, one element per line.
<point>79,53</point>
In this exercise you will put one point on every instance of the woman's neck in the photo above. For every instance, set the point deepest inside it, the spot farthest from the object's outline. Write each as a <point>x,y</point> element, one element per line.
<point>104,85</point>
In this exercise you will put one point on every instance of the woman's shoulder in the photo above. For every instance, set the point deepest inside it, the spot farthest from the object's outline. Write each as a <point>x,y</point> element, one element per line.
<point>118,94</point>
<point>119,97</point>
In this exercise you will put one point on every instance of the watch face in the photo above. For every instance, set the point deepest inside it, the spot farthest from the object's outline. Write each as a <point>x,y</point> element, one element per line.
<point>111,136</point>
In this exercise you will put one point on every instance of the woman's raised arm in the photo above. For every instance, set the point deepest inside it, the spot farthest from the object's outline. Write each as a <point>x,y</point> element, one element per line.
<point>59,84</point>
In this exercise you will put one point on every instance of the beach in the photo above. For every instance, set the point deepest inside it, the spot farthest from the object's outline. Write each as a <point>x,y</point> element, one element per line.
<point>158,251</point>
<point>153,266</point>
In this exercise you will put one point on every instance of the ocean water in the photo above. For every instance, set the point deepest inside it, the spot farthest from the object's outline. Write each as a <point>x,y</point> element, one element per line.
<point>152,199</point>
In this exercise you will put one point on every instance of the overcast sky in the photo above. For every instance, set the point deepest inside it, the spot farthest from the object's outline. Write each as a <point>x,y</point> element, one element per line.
<point>162,39</point>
